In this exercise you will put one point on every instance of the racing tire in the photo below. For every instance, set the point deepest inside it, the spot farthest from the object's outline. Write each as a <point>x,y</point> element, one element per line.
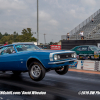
<point>36,71</point>
<point>16,72</point>
<point>80,58</point>
<point>90,58</point>
<point>62,70</point>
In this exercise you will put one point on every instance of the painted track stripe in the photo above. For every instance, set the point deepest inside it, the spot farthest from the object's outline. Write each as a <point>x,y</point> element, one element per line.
<point>84,71</point>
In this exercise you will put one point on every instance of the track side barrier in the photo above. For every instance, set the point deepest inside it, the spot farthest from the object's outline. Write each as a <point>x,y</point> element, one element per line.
<point>86,65</point>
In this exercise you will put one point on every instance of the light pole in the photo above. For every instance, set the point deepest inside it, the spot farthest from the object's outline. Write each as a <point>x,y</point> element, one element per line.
<point>45,39</point>
<point>37,26</point>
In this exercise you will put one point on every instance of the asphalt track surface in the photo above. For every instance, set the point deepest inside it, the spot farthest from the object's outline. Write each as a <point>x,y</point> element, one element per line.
<point>57,87</point>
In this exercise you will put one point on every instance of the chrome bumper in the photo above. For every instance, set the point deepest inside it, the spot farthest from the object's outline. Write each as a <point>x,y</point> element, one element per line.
<point>58,62</point>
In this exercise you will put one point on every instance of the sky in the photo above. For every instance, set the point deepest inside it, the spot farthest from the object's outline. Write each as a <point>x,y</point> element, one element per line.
<point>56,17</point>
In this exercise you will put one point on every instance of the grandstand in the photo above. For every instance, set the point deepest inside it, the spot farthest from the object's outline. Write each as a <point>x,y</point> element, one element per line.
<point>91,29</point>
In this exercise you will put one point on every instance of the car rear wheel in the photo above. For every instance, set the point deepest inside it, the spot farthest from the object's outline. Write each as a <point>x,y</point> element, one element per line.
<point>36,71</point>
<point>62,70</point>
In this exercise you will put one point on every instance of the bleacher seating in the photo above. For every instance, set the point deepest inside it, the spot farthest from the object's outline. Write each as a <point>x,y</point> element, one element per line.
<point>90,28</point>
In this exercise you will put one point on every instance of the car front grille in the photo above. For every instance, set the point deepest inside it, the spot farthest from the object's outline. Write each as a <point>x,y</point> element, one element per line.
<point>65,56</point>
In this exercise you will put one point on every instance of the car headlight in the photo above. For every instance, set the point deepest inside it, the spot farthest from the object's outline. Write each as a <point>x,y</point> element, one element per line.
<point>56,57</point>
<point>73,55</point>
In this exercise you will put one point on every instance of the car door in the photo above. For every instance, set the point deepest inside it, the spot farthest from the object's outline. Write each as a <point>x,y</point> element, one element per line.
<point>90,52</point>
<point>8,58</point>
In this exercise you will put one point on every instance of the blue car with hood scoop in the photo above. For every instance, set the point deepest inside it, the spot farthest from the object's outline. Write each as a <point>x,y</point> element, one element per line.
<point>27,57</point>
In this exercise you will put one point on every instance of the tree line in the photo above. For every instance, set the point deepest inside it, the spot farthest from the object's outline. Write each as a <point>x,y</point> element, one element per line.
<point>26,36</point>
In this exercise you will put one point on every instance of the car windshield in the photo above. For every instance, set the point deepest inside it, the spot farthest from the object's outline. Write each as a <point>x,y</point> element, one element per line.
<point>94,48</point>
<point>26,47</point>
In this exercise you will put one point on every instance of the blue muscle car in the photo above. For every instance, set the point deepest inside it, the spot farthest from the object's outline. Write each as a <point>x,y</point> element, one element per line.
<point>29,58</point>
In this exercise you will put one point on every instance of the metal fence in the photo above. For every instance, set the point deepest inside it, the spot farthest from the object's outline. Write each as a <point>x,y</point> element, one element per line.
<point>87,37</point>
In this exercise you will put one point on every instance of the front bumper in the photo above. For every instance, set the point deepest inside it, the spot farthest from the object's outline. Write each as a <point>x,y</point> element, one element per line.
<point>64,61</point>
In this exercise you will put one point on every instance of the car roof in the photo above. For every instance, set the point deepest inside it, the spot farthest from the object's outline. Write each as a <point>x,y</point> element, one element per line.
<point>85,45</point>
<point>21,43</point>
<point>15,44</point>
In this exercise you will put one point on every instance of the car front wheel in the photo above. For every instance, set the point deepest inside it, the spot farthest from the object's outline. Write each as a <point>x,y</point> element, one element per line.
<point>62,70</point>
<point>36,71</point>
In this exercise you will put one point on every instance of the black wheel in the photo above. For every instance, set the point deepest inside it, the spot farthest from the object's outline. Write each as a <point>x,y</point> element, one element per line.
<point>90,57</point>
<point>36,71</point>
<point>62,70</point>
<point>79,58</point>
<point>16,72</point>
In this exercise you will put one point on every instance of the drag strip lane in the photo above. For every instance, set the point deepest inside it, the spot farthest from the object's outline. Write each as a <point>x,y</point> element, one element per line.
<point>63,86</point>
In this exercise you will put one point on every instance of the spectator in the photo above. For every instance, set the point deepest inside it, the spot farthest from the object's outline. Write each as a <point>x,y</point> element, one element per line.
<point>67,36</point>
<point>6,43</point>
<point>92,19</point>
<point>82,37</point>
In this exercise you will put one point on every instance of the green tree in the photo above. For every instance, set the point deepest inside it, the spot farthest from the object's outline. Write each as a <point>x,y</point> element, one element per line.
<point>15,34</point>
<point>8,39</point>
<point>15,37</point>
<point>26,36</point>
<point>19,38</point>
<point>1,35</point>
<point>51,43</point>
<point>6,34</point>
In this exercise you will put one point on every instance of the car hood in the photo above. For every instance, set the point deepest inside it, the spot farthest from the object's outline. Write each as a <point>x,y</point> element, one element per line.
<point>48,51</point>
<point>54,51</point>
<point>51,51</point>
